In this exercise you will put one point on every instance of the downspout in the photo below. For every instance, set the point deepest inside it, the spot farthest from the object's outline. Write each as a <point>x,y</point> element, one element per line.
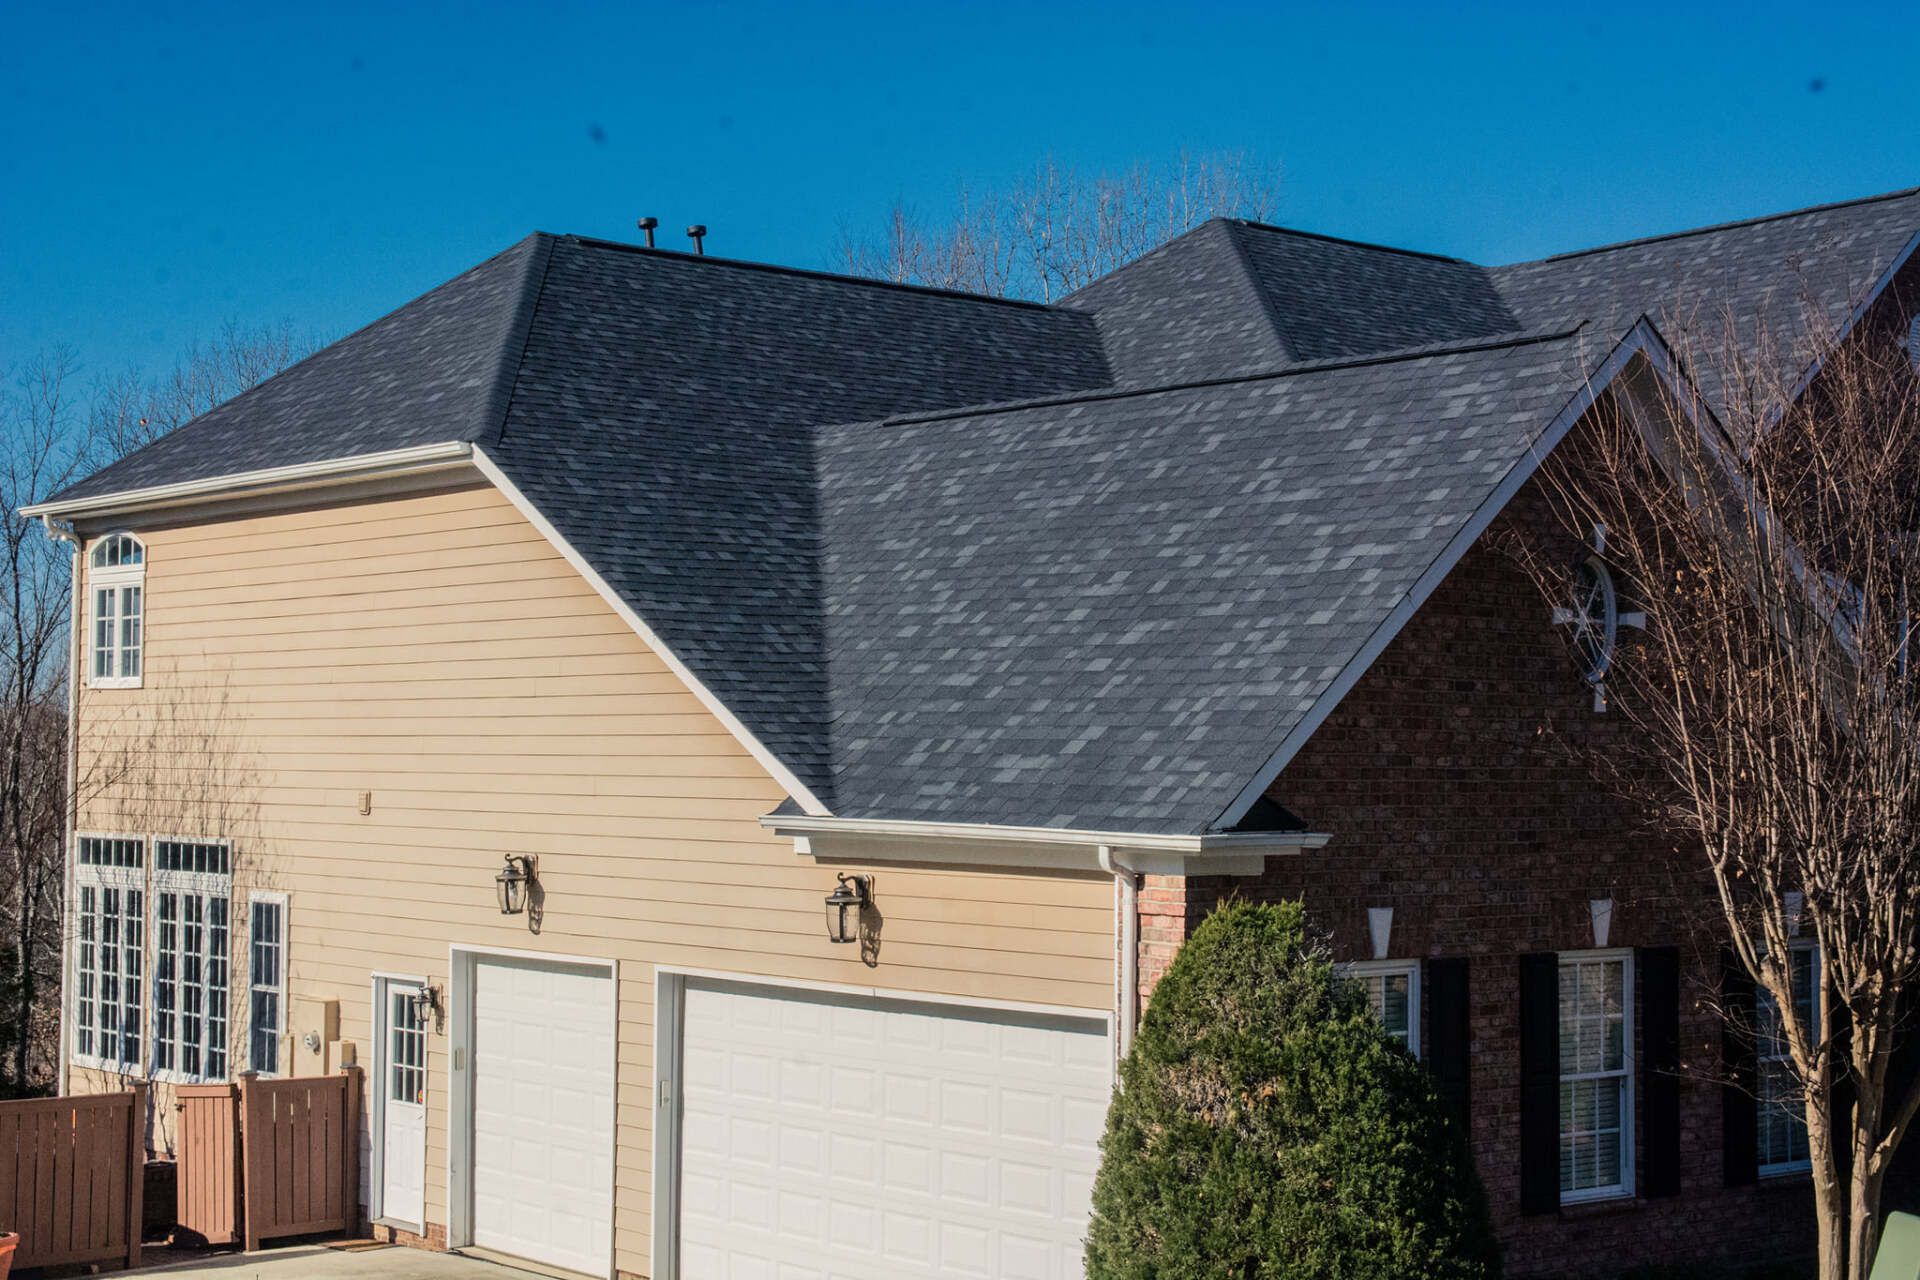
<point>74,658</point>
<point>1126,883</point>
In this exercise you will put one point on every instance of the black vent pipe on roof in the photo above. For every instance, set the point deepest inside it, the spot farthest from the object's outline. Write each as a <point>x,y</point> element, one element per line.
<point>698,234</point>
<point>647,225</point>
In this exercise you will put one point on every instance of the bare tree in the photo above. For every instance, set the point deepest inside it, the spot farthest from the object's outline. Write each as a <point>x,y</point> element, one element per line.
<point>46,448</point>
<point>131,410</point>
<point>52,435</point>
<point>1770,534</point>
<point>1060,228</point>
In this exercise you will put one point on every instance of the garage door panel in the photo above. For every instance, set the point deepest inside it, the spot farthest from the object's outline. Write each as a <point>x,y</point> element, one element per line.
<point>543,1099</point>
<point>859,1138</point>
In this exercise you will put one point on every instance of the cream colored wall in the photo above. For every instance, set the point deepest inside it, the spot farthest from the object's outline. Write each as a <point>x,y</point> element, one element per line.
<point>435,650</point>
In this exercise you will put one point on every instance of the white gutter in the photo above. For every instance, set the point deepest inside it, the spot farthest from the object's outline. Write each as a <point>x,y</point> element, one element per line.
<point>1059,848</point>
<point>1126,882</point>
<point>303,475</point>
<point>72,805</point>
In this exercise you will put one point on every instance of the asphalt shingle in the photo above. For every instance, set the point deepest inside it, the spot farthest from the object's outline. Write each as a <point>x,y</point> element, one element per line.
<point>958,559</point>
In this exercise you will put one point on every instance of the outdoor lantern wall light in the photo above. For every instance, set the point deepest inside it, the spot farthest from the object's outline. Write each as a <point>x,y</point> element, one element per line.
<point>514,883</point>
<point>844,906</point>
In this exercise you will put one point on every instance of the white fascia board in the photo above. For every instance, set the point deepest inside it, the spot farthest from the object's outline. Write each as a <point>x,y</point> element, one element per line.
<point>304,475</point>
<point>1641,340</point>
<point>745,736</point>
<point>966,844</point>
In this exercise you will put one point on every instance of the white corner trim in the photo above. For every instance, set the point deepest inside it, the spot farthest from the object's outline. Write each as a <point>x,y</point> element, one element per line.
<point>302,475</point>
<point>966,844</point>
<point>781,774</point>
<point>1640,340</point>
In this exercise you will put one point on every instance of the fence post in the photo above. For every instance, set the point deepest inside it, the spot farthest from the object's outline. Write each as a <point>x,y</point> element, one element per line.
<point>350,1155</point>
<point>136,1169</point>
<point>249,1163</point>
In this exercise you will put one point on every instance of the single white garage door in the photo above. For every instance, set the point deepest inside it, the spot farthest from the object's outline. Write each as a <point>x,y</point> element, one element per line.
<point>543,1116</point>
<point>846,1137</point>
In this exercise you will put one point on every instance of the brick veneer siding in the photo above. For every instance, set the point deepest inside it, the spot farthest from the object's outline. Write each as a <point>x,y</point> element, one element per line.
<point>1451,801</point>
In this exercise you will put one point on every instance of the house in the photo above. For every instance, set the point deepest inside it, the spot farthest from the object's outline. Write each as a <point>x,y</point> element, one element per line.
<point>525,695</point>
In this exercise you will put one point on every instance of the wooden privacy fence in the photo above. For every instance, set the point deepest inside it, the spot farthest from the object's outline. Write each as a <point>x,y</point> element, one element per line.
<point>270,1158</point>
<point>72,1173</point>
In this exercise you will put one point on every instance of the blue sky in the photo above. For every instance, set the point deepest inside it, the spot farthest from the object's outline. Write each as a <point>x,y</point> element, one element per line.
<point>165,168</point>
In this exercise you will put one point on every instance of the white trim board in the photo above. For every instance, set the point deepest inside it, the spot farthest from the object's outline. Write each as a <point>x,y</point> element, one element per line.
<point>768,761</point>
<point>967,844</point>
<point>304,475</point>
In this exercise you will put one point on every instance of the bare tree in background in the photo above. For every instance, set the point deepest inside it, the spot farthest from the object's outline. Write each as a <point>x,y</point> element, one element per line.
<point>46,448</point>
<point>52,435</point>
<point>1772,539</point>
<point>1060,228</point>
<point>131,410</point>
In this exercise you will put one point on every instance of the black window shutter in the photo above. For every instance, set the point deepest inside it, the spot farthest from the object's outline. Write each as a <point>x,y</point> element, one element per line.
<point>1739,1130</point>
<point>1539,1082</point>
<point>1449,1038</point>
<point>1660,1070</point>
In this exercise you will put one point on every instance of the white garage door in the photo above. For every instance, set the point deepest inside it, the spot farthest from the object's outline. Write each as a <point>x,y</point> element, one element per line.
<point>543,1114</point>
<point>838,1136</point>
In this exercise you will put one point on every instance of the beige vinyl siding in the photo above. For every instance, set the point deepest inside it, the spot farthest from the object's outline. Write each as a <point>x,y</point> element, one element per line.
<point>435,650</point>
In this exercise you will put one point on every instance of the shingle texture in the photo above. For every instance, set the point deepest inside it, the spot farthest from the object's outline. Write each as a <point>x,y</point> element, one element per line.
<point>963,560</point>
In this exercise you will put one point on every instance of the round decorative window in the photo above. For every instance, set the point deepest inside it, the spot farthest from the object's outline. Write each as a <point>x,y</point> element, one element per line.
<point>1595,618</point>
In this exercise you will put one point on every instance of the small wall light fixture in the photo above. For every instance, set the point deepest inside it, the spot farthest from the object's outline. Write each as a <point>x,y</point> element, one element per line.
<point>514,882</point>
<point>844,906</point>
<point>426,1005</point>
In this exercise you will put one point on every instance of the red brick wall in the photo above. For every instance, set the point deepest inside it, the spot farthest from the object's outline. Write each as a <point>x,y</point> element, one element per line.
<point>1447,781</point>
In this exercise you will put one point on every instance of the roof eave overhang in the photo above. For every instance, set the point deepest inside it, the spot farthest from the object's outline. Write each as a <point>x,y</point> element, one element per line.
<point>983,845</point>
<point>266,482</point>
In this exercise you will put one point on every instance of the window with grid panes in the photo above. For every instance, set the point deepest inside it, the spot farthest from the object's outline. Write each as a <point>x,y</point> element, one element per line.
<point>1596,1078</point>
<point>109,951</point>
<point>192,994</point>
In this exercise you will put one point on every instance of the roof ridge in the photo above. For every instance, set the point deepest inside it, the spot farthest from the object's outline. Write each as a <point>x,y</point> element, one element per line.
<point>1251,225</point>
<point>1520,338</point>
<point>777,268</point>
<point>513,349</point>
<point>1732,225</point>
<point>1262,296</point>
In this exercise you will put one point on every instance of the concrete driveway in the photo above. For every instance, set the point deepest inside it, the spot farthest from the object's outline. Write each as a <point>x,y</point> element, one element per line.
<point>299,1262</point>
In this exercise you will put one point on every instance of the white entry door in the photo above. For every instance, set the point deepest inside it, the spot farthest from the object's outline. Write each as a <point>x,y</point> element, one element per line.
<point>543,1111</point>
<point>403,1105</point>
<point>842,1137</point>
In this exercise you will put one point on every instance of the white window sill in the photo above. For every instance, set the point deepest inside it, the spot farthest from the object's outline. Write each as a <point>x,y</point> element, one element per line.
<point>1595,1195</point>
<point>114,682</point>
<point>86,1062</point>
<point>1785,1172</point>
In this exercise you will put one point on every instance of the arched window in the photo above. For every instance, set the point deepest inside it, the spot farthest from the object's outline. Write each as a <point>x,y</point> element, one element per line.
<point>117,576</point>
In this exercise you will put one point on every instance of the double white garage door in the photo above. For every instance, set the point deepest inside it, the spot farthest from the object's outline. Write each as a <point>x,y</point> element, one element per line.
<point>875,1139</point>
<point>815,1135</point>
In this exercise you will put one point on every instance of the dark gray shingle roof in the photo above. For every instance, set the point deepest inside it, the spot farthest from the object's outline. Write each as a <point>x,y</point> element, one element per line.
<point>1101,606</point>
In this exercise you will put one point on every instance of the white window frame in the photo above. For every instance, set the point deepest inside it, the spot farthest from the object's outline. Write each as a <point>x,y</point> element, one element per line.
<point>282,1050</point>
<point>209,886</point>
<point>124,879</point>
<point>1761,1055</point>
<point>119,580</point>
<point>1629,1116</point>
<point>1360,970</point>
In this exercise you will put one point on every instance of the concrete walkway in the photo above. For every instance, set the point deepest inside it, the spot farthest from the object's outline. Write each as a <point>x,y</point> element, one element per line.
<point>298,1262</point>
